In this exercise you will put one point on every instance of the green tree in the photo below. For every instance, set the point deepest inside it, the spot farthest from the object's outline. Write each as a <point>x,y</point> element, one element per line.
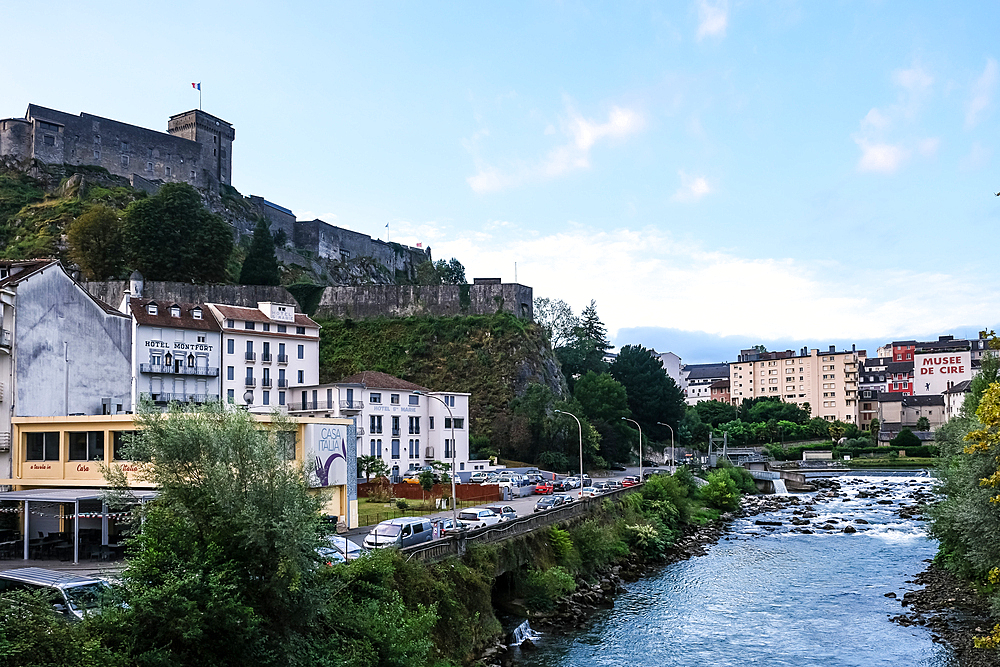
<point>224,569</point>
<point>452,272</point>
<point>874,426</point>
<point>604,403</point>
<point>593,329</point>
<point>715,412</point>
<point>372,466</point>
<point>97,243</point>
<point>172,236</point>
<point>427,274</point>
<point>923,424</point>
<point>557,319</point>
<point>766,410</point>
<point>721,491</point>
<point>652,394</point>
<point>989,373</point>
<point>261,265</point>
<point>905,438</point>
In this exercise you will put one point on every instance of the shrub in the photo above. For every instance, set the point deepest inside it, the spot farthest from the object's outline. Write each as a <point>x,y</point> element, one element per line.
<point>721,491</point>
<point>744,480</point>
<point>402,504</point>
<point>686,478</point>
<point>542,588</point>
<point>645,540</point>
<point>560,542</point>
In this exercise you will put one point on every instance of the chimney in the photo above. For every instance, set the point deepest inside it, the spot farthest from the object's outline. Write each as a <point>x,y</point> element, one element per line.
<point>833,348</point>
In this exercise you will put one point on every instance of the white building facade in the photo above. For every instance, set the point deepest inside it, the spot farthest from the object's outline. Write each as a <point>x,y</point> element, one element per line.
<point>176,350</point>
<point>400,422</point>
<point>269,354</point>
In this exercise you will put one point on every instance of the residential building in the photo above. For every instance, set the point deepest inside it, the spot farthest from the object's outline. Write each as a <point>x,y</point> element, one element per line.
<point>720,390</point>
<point>954,398</point>
<point>867,407</point>
<point>176,350</point>
<point>61,350</point>
<point>671,366</point>
<point>902,350</point>
<point>57,465</point>
<point>398,421</point>
<point>269,354</point>
<point>698,379</point>
<point>826,381</point>
<point>897,411</point>
<point>899,376</point>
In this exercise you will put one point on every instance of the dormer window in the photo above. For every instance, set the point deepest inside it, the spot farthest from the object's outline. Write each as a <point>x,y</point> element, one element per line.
<point>151,309</point>
<point>196,313</point>
<point>175,311</point>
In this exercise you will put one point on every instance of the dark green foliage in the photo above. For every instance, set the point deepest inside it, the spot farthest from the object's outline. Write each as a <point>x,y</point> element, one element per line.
<point>261,264</point>
<point>604,403</point>
<point>441,273</point>
<point>476,354</point>
<point>721,491</point>
<point>906,438</point>
<point>652,394</point>
<point>172,236</point>
<point>585,350</point>
<point>988,374</point>
<point>777,409</point>
<point>714,413</point>
<point>561,543</point>
<point>97,243</point>
<point>308,296</point>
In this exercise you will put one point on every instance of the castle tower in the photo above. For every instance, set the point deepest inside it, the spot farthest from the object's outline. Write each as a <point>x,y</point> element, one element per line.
<point>215,136</point>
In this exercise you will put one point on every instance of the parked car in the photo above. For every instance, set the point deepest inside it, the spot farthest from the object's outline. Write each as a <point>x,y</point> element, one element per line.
<point>505,512</point>
<point>614,484</point>
<point>448,526</point>
<point>534,478</point>
<point>563,498</point>
<point>544,488</point>
<point>340,549</point>
<point>402,532</point>
<point>590,492</point>
<point>568,483</point>
<point>478,518</point>
<point>547,503</point>
<point>73,595</point>
<point>631,480</point>
<point>532,471</point>
<point>413,476</point>
<point>601,487</point>
<point>479,477</point>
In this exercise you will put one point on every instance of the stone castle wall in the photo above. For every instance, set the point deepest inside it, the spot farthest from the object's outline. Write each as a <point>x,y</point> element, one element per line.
<point>55,138</point>
<point>111,292</point>
<point>370,301</point>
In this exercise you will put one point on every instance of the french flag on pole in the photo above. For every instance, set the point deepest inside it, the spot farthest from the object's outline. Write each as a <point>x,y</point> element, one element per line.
<point>196,86</point>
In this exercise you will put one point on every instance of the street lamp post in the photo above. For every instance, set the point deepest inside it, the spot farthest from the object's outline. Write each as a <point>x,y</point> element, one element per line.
<point>579,427</point>
<point>640,445</point>
<point>673,461</point>
<point>454,449</point>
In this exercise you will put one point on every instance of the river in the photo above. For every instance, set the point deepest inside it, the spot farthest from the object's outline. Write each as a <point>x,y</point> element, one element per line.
<point>774,596</point>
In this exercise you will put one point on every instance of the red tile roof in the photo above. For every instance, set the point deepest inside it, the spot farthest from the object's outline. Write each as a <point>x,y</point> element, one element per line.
<point>163,318</point>
<point>377,380</point>
<point>256,315</point>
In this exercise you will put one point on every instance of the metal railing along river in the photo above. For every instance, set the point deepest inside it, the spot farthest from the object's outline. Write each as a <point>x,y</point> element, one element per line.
<point>457,544</point>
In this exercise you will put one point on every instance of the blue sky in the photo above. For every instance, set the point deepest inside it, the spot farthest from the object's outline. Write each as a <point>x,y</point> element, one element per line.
<point>711,173</point>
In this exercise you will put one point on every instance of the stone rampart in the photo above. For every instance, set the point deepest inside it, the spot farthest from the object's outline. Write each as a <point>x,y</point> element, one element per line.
<point>110,292</point>
<point>370,301</point>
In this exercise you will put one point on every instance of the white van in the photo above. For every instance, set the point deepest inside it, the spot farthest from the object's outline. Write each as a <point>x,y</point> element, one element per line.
<point>73,595</point>
<point>402,532</point>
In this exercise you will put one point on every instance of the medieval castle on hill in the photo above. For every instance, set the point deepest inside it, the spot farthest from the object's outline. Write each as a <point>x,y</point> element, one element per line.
<point>197,149</point>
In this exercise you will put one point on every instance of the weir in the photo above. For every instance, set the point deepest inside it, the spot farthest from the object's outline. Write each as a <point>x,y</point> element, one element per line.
<point>523,632</point>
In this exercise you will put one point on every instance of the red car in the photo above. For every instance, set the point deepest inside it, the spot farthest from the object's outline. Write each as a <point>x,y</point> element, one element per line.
<point>543,488</point>
<point>630,481</point>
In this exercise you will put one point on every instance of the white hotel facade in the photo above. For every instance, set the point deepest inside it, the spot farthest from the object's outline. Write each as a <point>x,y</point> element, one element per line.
<point>404,424</point>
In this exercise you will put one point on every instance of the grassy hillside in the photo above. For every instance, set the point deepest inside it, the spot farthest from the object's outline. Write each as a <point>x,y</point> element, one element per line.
<point>493,357</point>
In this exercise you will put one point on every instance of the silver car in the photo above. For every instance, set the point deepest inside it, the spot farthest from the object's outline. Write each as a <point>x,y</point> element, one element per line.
<point>478,518</point>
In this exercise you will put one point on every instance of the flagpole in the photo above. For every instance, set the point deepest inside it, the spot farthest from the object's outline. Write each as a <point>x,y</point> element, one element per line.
<point>199,97</point>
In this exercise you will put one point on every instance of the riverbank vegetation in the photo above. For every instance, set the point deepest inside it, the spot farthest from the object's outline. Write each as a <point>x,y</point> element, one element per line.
<point>966,521</point>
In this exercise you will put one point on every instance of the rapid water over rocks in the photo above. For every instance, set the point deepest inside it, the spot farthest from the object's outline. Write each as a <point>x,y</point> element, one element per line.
<point>797,580</point>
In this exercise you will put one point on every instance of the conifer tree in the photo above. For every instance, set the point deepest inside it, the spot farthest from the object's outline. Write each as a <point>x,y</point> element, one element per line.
<point>261,264</point>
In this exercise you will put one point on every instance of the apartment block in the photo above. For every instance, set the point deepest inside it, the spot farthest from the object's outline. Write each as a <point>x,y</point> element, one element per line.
<point>827,381</point>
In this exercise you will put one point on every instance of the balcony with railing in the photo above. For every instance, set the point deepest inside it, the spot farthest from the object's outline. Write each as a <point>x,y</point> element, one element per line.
<point>265,357</point>
<point>282,383</point>
<point>164,369</point>
<point>282,358</point>
<point>265,382</point>
<point>250,382</point>
<point>167,397</point>
<point>354,406</point>
<point>250,356</point>
<point>5,338</point>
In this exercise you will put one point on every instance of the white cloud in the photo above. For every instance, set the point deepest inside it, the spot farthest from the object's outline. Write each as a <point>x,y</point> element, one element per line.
<point>665,282</point>
<point>880,157</point>
<point>712,19</point>
<point>582,134</point>
<point>875,119</point>
<point>929,146</point>
<point>982,93</point>
<point>915,79</point>
<point>692,188</point>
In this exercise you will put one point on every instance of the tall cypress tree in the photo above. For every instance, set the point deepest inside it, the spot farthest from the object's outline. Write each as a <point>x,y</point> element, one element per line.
<point>261,264</point>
